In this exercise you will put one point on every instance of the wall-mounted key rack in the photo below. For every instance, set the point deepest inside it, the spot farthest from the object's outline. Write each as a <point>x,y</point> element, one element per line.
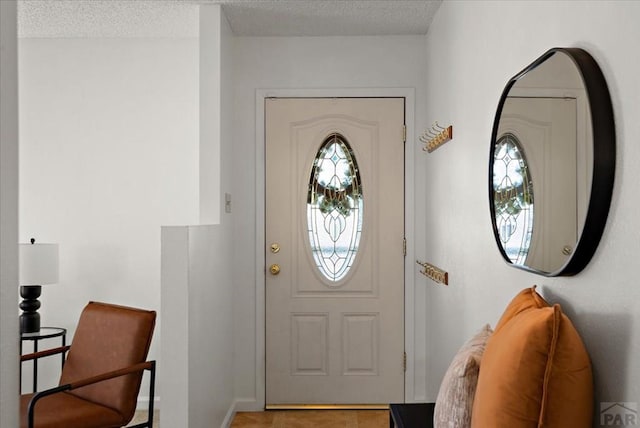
<point>436,136</point>
<point>435,273</point>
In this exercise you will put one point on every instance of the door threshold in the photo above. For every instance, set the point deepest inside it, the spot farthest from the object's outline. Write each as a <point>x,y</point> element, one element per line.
<point>327,407</point>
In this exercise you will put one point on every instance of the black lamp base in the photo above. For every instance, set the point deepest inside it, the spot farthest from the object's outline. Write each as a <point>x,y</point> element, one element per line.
<point>30,318</point>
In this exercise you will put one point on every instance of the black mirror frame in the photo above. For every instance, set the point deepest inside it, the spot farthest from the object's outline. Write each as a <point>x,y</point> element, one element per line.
<point>604,159</point>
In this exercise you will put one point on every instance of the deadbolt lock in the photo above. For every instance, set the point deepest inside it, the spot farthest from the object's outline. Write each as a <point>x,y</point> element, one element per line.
<point>274,269</point>
<point>275,248</point>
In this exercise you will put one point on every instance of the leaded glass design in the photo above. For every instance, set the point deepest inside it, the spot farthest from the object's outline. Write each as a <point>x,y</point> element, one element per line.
<point>334,208</point>
<point>513,198</point>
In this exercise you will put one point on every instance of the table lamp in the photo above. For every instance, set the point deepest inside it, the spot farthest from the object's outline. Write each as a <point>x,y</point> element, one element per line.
<point>38,267</point>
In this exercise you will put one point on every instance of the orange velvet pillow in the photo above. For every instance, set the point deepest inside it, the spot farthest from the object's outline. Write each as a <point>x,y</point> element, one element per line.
<point>535,372</point>
<point>526,299</point>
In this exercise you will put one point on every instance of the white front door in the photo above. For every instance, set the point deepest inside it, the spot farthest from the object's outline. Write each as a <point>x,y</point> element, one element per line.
<point>334,251</point>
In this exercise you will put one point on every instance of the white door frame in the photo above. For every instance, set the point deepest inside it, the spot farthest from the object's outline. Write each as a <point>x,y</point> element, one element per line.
<point>409,181</point>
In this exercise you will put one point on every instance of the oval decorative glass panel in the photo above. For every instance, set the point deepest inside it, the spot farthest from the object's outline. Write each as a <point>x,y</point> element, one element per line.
<point>334,208</point>
<point>512,198</point>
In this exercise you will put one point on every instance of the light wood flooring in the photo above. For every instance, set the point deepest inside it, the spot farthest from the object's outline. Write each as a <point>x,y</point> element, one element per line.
<point>312,419</point>
<point>141,416</point>
<point>299,419</point>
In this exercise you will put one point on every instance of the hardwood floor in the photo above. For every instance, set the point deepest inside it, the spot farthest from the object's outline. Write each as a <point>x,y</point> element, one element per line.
<point>141,416</point>
<point>312,419</point>
<point>299,419</point>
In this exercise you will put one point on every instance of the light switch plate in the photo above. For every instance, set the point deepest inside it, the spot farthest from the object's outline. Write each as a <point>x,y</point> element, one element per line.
<point>227,202</point>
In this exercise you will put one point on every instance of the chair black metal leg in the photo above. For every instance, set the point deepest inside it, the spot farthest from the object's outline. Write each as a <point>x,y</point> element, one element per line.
<point>152,382</point>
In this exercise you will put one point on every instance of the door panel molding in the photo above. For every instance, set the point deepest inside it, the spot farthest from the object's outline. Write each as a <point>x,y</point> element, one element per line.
<point>410,314</point>
<point>301,241</point>
<point>365,326</point>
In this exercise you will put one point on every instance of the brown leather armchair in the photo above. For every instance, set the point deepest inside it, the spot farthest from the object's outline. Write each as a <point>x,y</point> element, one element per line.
<point>101,375</point>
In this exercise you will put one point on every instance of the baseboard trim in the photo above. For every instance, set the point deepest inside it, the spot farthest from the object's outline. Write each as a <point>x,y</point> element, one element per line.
<point>228,419</point>
<point>143,403</point>
<point>240,405</point>
<point>327,407</point>
<point>248,405</point>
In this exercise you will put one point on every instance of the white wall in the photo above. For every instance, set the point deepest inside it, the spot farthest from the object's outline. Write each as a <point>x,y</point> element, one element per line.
<point>306,63</point>
<point>475,47</point>
<point>174,355</point>
<point>214,320</point>
<point>197,293</point>
<point>108,154</point>
<point>197,352</point>
<point>209,159</point>
<point>8,215</point>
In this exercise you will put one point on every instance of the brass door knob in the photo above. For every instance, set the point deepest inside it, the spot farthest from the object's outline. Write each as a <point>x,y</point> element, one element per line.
<point>274,269</point>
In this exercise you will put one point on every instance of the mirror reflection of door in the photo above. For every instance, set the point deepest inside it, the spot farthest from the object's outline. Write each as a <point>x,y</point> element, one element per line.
<point>561,94</point>
<point>546,131</point>
<point>334,251</point>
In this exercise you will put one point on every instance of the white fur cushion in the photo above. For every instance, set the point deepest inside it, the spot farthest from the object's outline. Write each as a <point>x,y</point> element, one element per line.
<point>458,388</point>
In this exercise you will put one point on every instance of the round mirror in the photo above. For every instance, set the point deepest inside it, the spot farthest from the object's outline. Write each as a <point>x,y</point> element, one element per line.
<point>552,163</point>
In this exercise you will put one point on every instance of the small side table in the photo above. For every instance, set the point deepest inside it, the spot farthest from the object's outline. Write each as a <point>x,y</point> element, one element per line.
<point>44,333</point>
<point>411,415</point>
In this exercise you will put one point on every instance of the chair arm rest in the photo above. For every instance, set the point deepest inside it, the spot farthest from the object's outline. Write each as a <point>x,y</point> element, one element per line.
<point>45,353</point>
<point>147,365</point>
<point>110,375</point>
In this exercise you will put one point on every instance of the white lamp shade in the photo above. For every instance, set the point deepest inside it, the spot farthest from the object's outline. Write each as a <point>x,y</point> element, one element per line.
<point>38,264</point>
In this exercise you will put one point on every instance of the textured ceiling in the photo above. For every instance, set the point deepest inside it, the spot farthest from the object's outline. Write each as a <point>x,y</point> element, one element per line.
<point>179,18</point>
<point>329,17</point>
<point>106,18</point>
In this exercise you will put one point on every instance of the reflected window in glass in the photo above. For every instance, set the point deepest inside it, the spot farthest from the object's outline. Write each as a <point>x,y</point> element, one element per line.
<point>513,198</point>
